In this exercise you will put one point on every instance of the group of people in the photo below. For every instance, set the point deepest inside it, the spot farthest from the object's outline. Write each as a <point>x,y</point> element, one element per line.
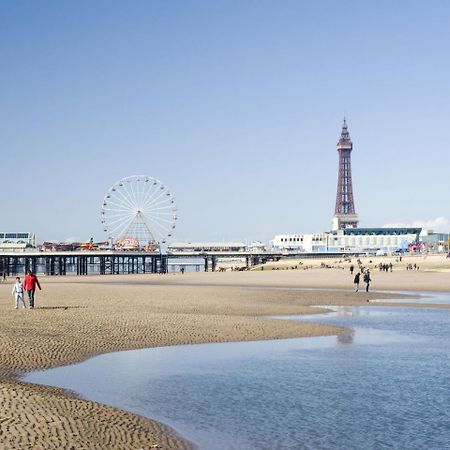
<point>365,274</point>
<point>29,284</point>
<point>366,279</point>
<point>384,267</point>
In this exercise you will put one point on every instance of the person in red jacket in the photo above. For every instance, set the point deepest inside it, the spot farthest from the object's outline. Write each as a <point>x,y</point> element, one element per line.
<point>29,284</point>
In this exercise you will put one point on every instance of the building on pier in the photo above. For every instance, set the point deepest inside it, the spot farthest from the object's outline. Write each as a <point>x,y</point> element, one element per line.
<point>205,247</point>
<point>17,241</point>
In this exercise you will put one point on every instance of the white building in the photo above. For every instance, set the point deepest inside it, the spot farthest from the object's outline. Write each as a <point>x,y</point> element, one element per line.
<point>307,243</point>
<point>350,240</point>
<point>17,241</point>
<point>203,247</point>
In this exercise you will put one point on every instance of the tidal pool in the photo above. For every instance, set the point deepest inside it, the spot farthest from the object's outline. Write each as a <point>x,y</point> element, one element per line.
<point>382,385</point>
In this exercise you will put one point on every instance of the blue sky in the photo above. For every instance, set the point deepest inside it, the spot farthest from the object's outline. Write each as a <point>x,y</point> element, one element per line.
<point>235,105</point>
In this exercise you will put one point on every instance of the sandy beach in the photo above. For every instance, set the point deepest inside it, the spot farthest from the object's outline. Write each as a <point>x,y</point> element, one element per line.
<point>78,317</point>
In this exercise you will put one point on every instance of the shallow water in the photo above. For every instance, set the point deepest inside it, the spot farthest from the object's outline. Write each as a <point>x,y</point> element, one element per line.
<point>384,385</point>
<point>424,297</point>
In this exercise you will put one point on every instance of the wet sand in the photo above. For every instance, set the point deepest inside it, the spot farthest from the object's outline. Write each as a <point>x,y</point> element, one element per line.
<point>78,317</point>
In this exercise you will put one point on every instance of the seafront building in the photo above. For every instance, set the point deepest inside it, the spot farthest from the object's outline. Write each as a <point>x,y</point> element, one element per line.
<point>351,240</point>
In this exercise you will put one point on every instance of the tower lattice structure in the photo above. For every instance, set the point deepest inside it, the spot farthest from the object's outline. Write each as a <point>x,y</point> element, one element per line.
<point>344,212</point>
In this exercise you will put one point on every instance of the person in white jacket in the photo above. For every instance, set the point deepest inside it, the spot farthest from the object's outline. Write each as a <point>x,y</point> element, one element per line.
<point>17,291</point>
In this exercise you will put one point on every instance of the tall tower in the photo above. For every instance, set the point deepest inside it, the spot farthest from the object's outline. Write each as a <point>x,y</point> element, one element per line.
<point>344,213</point>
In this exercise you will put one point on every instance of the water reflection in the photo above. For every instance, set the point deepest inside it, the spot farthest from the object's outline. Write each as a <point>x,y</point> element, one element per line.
<point>346,337</point>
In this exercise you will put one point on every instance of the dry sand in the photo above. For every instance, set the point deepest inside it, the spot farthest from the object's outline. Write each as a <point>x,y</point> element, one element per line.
<point>77,317</point>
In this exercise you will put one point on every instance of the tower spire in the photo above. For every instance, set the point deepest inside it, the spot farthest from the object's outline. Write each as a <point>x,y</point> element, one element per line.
<point>345,135</point>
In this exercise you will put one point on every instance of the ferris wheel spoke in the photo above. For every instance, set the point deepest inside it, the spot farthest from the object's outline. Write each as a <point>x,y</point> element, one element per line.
<point>138,187</point>
<point>162,216</point>
<point>165,216</point>
<point>121,228</point>
<point>112,214</point>
<point>156,199</point>
<point>128,190</point>
<point>162,200</point>
<point>118,222</point>
<point>160,232</point>
<point>117,218</point>
<point>150,194</point>
<point>162,219</point>
<point>149,191</point>
<point>132,186</point>
<point>120,214</point>
<point>153,192</point>
<point>164,208</point>
<point>120,206</point>
<point>117,211</point>
<point>127,194</point>
<point>161,213</point>
<point>155,221</point>
<point>125,198</point>
<point>143,191</point>
<point>160,225</point>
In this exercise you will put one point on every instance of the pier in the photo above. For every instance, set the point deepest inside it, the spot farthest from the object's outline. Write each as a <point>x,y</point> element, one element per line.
<point>82,263</point>
<point>112,262</point>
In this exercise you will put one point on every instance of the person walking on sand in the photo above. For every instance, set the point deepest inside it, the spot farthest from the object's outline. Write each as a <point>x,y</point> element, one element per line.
<point>30,283</point>
<point>367,280</point>
<point>17,291</point>
<point>356,281</point>
<point>352,268</point>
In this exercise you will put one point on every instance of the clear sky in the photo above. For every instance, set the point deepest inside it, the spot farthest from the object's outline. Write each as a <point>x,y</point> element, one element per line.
<point>235,105</point>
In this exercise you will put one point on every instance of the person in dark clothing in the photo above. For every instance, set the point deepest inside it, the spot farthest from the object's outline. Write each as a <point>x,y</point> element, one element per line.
<point>356,281</point>
<point>367,280</point>
<point>352,268</point>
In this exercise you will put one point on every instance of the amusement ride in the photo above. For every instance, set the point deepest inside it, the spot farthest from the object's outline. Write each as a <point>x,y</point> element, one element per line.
<point>138,213</point>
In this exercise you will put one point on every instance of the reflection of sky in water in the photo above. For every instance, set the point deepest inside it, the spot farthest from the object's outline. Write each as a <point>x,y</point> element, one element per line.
<point>383,385</point>
<point>426,297</point>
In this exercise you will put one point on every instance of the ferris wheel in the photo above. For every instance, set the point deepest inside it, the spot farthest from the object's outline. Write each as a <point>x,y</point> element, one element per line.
<point>140,208</point>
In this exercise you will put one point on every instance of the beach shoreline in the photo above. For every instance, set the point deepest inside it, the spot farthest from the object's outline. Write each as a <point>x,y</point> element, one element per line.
<point>80,317</point>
